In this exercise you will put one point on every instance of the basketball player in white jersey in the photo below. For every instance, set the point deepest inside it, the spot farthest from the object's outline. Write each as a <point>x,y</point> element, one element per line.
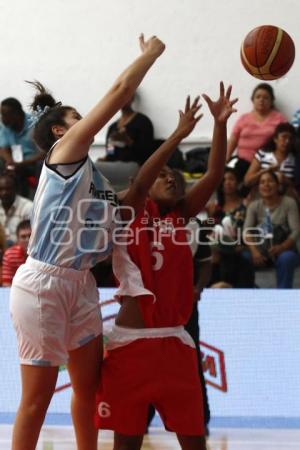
<point>54,300</point>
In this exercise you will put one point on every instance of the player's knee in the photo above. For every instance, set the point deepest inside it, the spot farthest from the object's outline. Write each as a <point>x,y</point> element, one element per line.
<point>36,407</point>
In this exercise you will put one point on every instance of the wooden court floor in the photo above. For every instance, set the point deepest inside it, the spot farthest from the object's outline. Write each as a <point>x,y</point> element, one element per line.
<point>62,438</point>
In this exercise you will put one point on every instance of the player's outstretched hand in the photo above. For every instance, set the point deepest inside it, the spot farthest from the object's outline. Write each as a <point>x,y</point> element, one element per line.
<point>222,108</point>
<point>188,118</point>
<point>153,45</point>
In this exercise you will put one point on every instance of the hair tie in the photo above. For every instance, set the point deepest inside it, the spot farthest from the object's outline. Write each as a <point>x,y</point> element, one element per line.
<point>37,114</point>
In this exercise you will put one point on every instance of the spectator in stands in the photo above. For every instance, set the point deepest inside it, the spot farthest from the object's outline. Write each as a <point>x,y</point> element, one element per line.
<point>228,212</point>
<point>129,142</point>
<point>130,138</point>
<point>296,124</point>
<point>277,222</point>
<point>296,119</point>
<point>253,129</point>
<point>17,148</point>
<point>16,255</point>
<point>2,249</point>
<point>278,156</point>
<point>13,207</point>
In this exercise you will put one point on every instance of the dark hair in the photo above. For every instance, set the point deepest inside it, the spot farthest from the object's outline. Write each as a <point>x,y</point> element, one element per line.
<point>13,103</point>
<point>284,127</point>
<point>9,174</point>
<point>272,174</point>
<point>180,180</point>
<point>24,225</point>
<point>266,87</point>
<point>55,115</point>
<point>220,190</point>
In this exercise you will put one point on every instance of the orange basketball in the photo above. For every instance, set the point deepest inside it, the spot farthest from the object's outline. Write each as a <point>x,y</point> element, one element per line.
<point>267,52</point>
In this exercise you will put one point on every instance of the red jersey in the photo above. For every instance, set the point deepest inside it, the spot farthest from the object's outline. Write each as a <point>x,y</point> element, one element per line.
<point>154,263</point>
<point>13,258</point>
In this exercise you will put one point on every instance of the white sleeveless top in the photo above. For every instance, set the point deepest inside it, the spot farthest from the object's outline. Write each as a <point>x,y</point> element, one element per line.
<point>73,217</point>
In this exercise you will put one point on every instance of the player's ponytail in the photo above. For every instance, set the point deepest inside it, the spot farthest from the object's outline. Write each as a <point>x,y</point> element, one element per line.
<point>42,98</point>
<point>46,113</point>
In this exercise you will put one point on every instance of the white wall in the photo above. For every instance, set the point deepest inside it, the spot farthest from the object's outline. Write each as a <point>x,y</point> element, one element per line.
<point>77,47</point>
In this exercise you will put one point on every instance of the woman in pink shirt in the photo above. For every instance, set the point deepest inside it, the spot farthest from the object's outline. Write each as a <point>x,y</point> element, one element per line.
<point>253,129</point>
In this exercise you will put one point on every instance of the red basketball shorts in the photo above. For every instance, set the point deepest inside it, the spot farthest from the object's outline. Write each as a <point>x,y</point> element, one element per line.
<point>158,371</point>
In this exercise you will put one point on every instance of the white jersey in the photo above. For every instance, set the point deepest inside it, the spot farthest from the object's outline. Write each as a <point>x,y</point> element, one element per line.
<point>73,218</point>
<point>268,159</point>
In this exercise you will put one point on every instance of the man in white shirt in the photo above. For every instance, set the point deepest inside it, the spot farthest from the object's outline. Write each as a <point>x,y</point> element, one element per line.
<point>13,208</point>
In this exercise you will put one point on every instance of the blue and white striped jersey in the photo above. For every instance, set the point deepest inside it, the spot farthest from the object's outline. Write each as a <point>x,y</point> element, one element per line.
<point>268,159</point>
<point>73,218</point>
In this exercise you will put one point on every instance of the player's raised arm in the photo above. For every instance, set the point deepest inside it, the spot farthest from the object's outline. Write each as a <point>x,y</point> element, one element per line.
<point>199,194</point>
<point>148,173</point>
<point>80,136</point>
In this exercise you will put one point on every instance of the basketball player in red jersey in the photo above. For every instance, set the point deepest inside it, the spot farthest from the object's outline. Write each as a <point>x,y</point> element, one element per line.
<point>151,358</point>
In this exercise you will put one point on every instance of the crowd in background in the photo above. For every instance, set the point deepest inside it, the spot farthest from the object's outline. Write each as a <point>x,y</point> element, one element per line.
<point>252,222</point>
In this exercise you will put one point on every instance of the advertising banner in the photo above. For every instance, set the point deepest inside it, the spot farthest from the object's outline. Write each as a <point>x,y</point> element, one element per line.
<point>250,345</point>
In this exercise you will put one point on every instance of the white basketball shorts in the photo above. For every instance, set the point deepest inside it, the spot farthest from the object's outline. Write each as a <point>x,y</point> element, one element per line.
<point>54,310</point>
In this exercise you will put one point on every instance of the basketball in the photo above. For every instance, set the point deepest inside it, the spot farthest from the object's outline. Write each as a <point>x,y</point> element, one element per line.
<point>267,52</point>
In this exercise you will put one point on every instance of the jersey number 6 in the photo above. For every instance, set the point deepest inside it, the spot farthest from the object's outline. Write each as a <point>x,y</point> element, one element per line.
<point>156,247</point>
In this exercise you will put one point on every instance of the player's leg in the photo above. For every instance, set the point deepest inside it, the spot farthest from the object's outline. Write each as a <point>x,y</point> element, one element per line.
<point>179,402</point>
<point>38,384</point>
<point>32,316</point>
<point>124,393</point>
<point>124,442</point>
<point>151,414</point>
<point>192,442</point>
<point>84,369</point>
